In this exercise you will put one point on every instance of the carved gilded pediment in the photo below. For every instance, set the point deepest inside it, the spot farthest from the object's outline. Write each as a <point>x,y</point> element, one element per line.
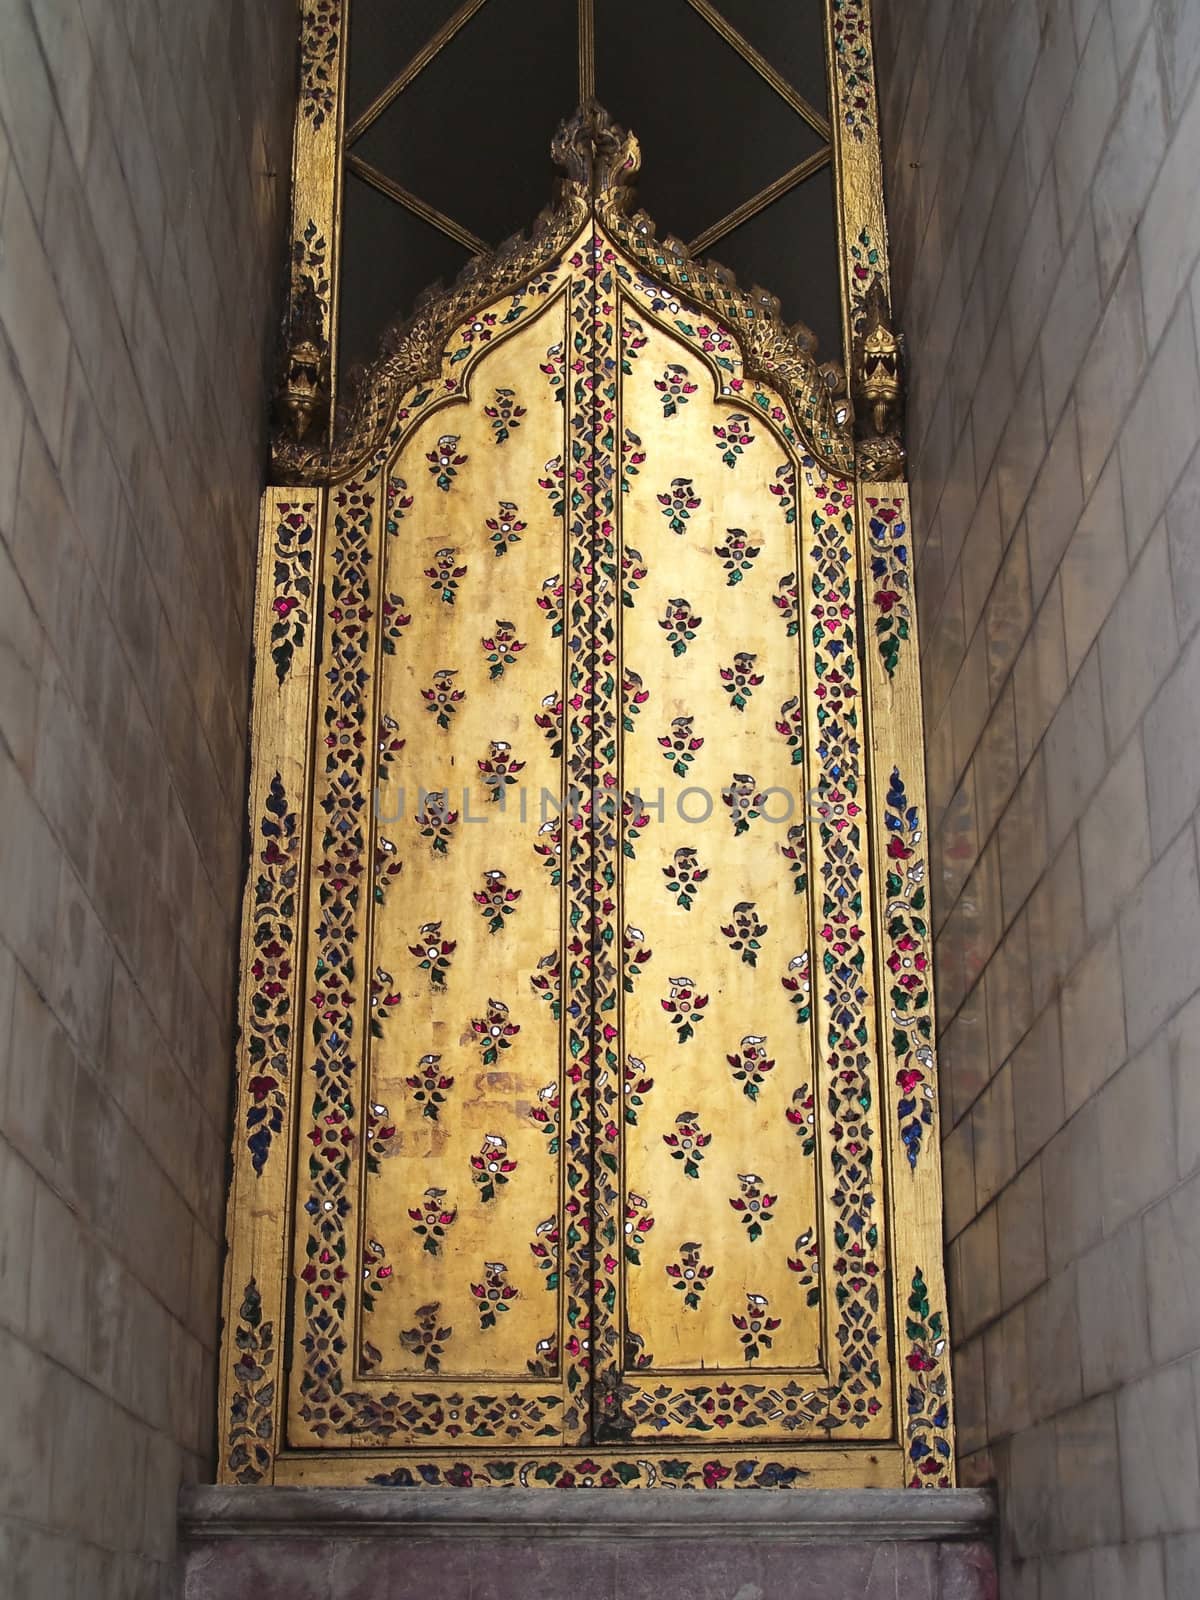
<point>599,162</point>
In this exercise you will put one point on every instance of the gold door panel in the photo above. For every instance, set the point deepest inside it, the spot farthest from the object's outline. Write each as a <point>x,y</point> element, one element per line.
<point>586,1131</point>
<point>468,930</point>
<point>448,1173</point>
<point>590,1163</point>
<point>712,1158</point>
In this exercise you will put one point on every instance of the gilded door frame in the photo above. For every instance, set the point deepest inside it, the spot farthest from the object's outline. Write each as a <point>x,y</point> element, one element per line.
<point>864,462</point>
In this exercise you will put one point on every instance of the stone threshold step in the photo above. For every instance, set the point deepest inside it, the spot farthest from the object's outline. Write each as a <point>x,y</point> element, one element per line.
<point>214,1511</point>
<point>585,1544</point>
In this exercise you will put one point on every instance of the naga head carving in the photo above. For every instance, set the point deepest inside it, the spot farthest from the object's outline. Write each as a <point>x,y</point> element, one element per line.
<point>303,390</point>
<point>877,384</point>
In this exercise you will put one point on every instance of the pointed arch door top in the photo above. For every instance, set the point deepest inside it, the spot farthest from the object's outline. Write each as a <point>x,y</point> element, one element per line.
<point>599,163</point>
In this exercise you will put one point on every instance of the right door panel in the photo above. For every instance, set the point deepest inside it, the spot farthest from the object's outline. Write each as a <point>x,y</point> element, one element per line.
<point>721,1306</point>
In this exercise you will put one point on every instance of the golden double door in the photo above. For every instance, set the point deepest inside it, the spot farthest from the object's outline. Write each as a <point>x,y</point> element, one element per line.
<point>585,1131</point>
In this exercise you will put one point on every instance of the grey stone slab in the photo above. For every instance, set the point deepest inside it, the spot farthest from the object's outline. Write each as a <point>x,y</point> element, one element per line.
<point>967,1572</point>
<point>254,1569</point>
<point>653,1568</point>
<point>516,1561</point>
<point>215,1512</point>
<point>379,1569</point>
<point>812,1570</point>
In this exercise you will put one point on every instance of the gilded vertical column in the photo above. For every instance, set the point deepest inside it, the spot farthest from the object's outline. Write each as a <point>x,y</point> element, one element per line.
<point>308,382</point>
<point>904,936</point>
<point>857,165</point>
<point>251,1388</point>
<point>598,346</point>
<point>903,928</point>
<point>851,1138</point>
<point>251,1394</point>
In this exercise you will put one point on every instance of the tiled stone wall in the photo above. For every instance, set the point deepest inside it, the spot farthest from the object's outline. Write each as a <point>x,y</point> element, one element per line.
<point>143,166</point>
<point>1043,163</point>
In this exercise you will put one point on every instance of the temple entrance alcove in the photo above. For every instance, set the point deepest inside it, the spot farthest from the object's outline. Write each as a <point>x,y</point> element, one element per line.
<point>585,1126</point>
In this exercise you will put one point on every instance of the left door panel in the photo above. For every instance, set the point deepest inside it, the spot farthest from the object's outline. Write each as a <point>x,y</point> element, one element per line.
<point>434,1207</point>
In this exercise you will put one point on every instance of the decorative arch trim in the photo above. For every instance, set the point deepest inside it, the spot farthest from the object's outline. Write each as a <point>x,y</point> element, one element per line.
<point>599,162</point>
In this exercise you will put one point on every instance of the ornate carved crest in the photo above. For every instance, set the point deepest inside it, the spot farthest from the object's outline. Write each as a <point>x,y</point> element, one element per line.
<point>600,162</point>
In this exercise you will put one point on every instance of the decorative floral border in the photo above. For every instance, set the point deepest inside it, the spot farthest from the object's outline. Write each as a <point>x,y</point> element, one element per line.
<point>292,570</point>
<point>887,535</point>
<point>320,38</point>
<point>250,1439</point>
<point>855,1261</point>
<point>852,55</point>
<point>909,965</point>
<point>927,1430</point>
<point>329,1270</point>
<point>269,982</point>
<point>586,1472</point>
